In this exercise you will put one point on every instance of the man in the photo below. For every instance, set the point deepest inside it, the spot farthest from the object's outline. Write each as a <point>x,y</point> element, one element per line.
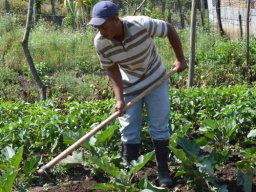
<point>126,50</point>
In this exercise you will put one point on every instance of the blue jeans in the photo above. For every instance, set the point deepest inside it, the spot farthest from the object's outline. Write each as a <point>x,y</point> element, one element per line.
<point>157,104</point>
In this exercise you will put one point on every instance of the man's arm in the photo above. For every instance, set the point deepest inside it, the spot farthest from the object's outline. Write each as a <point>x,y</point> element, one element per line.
<point>116,80</point>
<point>180,63</point>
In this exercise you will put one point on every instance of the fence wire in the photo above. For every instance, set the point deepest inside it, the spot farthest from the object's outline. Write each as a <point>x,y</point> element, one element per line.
<point>233,17</point>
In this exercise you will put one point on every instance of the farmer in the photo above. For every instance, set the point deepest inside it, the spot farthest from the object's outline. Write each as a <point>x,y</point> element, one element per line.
<point>126,50</point>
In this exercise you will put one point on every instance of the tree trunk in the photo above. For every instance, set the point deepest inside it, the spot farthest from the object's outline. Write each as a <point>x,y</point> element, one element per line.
<point>6,6</point>
<point>37,10</point>
<point>53,11</point>
<point>42,87</point>
<point>163,5</point>
<point>241,26</point>
<point>73,15</point>
<point>53,7</point>
<point>218,11</point>
<point>182,23</point>
<point>192,44</point>
<point>202,11</point>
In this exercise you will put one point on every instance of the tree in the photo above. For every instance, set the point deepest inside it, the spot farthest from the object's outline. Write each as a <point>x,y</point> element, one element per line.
<point>80,9</point>
<point>53,7</point>
<point>218,11</point>
<point>42,87</point>
<point>6,6</point>
<point>163,5</point>
<point>182,23</point>
<point>37,9</point>
<point>202,12</point>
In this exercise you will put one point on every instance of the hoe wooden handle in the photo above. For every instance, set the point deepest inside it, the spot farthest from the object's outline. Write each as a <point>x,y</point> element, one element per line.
<point>112,117</point>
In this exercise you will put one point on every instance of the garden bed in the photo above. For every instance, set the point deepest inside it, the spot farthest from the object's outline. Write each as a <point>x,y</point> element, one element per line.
<point>227,175</point>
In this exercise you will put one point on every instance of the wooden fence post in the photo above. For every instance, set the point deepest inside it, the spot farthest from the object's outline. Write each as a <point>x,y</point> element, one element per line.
<point>192,44</point>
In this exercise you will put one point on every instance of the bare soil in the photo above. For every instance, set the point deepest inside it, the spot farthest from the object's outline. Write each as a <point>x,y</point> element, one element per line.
<point>80,180</point>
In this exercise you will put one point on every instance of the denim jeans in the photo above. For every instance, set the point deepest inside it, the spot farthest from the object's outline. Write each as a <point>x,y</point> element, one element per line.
<point>157,104</point>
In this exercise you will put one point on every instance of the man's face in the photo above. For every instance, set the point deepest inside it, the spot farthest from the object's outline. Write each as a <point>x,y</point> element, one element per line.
<point>108,29</point>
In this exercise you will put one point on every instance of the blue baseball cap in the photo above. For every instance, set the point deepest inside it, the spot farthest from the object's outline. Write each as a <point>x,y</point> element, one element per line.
<point>102,11</point>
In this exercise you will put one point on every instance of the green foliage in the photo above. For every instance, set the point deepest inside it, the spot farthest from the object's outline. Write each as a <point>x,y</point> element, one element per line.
<point>8,82</point>
<point>221,119</point>
<point>102,156</point>
<point>203,122</point>
<point>246,168</point>
<point>9,170</point>
<point>66,60</point>
<point>17,6</point>
<point>221,132</point>
<point>10,164</point>
<point>220,61</point>
<point>197,169</point>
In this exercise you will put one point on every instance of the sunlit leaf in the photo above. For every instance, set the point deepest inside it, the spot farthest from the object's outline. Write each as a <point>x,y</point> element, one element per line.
<point>252,133</point>
<point>142,161</point>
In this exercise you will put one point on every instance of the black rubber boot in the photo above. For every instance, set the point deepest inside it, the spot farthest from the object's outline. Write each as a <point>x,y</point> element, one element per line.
<point>131,152</point>
<point>162,157</point>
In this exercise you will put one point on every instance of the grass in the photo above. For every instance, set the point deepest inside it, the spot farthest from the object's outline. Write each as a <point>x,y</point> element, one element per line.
<point>67,62</point>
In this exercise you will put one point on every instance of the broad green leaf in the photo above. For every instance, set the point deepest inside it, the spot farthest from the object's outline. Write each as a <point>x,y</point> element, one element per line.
<point>211,123</point>
<point>252,133</point>
<point>243,165</point>
<point>106,166</point>
<point>105,135</point>
<point>249,153</point>
<point>75,158</point>
<point>230,126</point>
<point>179,153</point>
<point>16,159</point>
<point>202,141</point>
<point>71,137</point>
<point>103,186</point>
<point>147,186</point>
<point>190,147</point>
<point>7,178</point>
<point>180,172</point>
<point>142,161</point>
<point>206,163</point>
<point>8,152</point>
<point>244,178</point>
<point>31,165</point>
<point>208,132</point>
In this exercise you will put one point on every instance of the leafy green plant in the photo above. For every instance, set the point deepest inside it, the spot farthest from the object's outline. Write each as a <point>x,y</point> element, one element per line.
<point>10,169</point>
<point>121,179</point>
<point>10,165</point>
<point>100,155</point>
<point>47,128</point>
<point>247,168</point>
<point>220,132</point>
<point>196,168</point>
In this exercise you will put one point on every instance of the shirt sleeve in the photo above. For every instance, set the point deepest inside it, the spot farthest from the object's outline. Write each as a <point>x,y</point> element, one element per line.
<point>155,27</point>
<point>104,61</point>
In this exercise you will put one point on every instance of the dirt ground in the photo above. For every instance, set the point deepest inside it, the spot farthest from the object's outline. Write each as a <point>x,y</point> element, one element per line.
<point>80,183</point>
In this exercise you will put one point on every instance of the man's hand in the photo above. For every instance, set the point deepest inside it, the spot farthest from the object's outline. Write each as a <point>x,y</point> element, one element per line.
<point>120,106</point>
<point>180,65</point>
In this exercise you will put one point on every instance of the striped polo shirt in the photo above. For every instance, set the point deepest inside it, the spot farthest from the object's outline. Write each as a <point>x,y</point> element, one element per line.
<point>139,63</point>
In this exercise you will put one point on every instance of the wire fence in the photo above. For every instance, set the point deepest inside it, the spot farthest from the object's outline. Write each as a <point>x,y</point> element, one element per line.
<point>233,17</point>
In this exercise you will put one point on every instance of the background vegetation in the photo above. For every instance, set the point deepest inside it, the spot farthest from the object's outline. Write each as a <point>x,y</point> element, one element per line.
<point>218,113</point>
<point>66,59</point>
